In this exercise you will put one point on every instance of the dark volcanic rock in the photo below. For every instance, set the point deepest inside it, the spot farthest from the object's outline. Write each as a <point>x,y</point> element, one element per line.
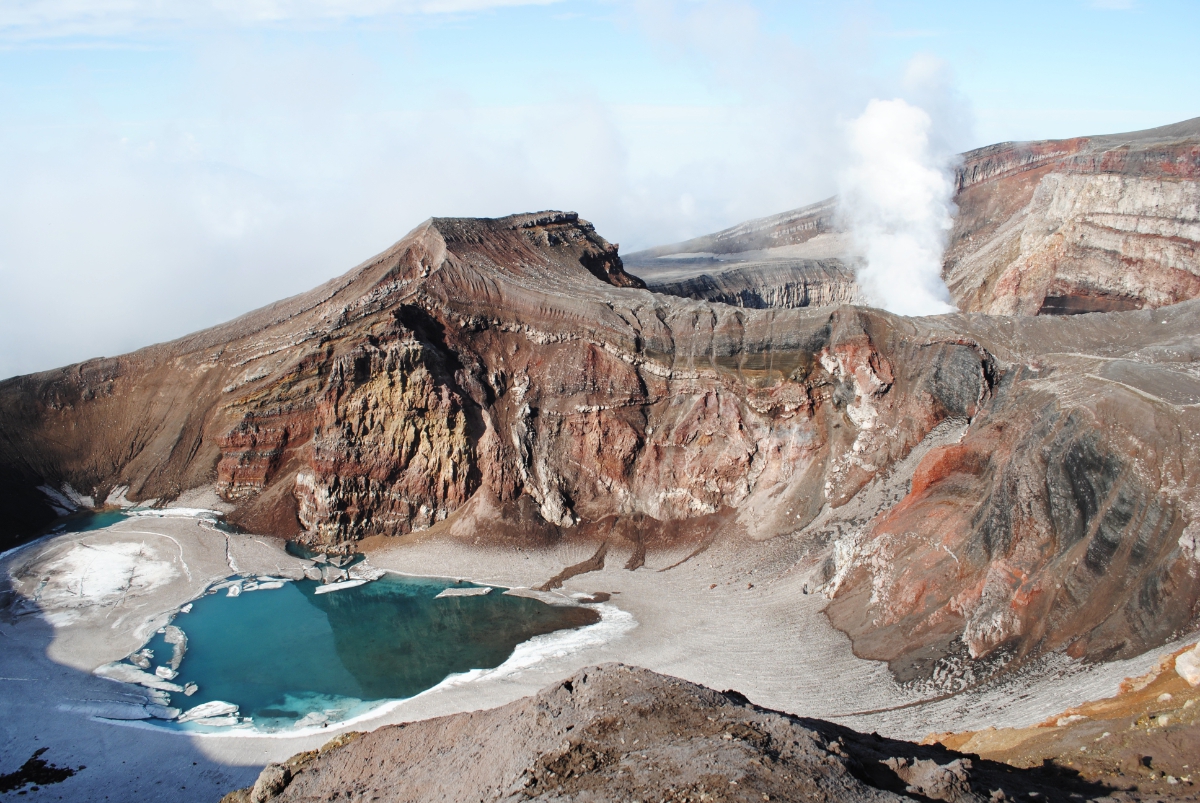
<point>615,732</point>
<point>506,379</point>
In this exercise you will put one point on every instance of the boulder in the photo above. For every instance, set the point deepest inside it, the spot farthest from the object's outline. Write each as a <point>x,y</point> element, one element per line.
<point>271,781</point>
<point>1188,666</point>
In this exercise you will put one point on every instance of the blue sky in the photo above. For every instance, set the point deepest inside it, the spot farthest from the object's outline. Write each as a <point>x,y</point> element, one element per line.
<point>169,166</point>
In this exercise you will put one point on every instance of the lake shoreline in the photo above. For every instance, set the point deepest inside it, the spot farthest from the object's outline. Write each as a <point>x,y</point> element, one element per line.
<point>737,617</point>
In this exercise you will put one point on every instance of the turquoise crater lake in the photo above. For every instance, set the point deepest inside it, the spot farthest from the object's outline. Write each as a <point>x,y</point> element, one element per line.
<point>291,658</point>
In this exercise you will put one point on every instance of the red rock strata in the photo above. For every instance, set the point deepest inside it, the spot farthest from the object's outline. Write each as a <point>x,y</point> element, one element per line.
<point>506,379</point>
<point>1090,224</point>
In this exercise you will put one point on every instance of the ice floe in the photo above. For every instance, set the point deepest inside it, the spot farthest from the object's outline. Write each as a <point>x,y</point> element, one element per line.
<point>464,592</point>
<point>268,586</point>
<point>210,710</point>
<point>340,586</point>
<point>178,641</point>
<point>126,673</point>
<point>218,722</point>
<point>365,571</point>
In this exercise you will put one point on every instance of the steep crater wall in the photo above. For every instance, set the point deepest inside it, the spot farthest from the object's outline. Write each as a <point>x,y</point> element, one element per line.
<point>508,380</point>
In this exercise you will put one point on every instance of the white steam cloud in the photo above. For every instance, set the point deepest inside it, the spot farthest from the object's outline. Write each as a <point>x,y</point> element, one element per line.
<point>896,198</point>
<point>279,142</point>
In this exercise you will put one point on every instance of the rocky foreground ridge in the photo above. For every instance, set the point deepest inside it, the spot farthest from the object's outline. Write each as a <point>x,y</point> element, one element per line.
<point>1090,224</point>
<point>615,732</point>
<point>965,486</point>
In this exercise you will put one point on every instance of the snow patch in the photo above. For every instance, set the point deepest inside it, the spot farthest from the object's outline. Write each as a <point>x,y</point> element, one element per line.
<point>96,574</point>
<point>116,497</point>
<point>62,505</point>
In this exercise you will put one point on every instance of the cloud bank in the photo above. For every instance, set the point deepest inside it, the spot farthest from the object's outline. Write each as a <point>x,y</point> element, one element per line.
<point>40,19</point>
<point>269,164</point>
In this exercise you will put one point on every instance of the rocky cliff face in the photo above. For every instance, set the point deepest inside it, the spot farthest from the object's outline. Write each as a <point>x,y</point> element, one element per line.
<point>794,260</point>
<point>1091,224</point>
<point>783,283</point>
<point>1085,225</point>
<point>990,487</point>
<point>1062,517</point>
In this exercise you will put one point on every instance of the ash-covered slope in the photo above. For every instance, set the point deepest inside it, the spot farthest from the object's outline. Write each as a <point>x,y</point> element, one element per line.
<point>959,485</point>
<point>796,259</point>
<point>1091,224</point>
<point>615,732</point>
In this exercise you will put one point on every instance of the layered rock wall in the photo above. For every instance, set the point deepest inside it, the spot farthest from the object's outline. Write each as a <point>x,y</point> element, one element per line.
<point>1077,226</point>
<point>1090,224</point>
<point>505,379</point>
<point>785,284</point>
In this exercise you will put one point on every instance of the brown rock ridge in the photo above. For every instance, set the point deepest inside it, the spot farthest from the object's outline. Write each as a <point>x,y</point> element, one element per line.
<point>615,732</point>
<point>1091,224</point>
<point>506,379</point>
<point>484,361</point>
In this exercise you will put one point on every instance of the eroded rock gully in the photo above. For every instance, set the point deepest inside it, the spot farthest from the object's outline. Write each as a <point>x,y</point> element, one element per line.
<point>507,380</point>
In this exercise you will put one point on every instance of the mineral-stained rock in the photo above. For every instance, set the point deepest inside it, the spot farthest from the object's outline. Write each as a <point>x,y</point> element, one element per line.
<point>615,732</point>
<point>1091,224</point>
<point>499,379</point>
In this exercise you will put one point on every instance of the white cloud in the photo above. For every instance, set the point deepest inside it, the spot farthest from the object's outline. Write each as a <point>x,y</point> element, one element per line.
<point>40,19</point>
<point>288,163</point>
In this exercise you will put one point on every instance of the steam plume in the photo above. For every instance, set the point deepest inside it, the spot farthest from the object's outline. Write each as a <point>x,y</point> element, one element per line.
<point>896,199</point>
